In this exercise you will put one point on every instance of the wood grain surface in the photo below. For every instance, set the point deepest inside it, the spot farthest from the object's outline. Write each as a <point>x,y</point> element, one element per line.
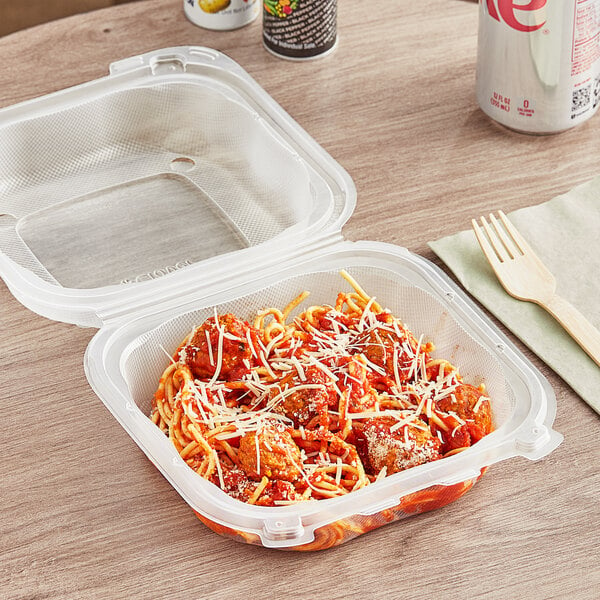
<point>15,16</point>
<point>84,514</point>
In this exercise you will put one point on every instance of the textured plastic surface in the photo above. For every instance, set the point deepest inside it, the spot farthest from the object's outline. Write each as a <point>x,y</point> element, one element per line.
<point>177,161</point>
<point>142,201</point>
<point>125,360</point>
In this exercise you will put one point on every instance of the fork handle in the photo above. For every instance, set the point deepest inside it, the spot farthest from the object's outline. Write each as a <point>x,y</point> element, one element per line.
<point>579,328</point>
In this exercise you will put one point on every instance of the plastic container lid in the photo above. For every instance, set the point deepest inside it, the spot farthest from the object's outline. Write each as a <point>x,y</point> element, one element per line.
<point>176,164</point>
<point>141,201</point>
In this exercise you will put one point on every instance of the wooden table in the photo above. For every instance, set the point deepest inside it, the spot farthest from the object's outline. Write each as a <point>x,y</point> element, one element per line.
<point>395,105</point>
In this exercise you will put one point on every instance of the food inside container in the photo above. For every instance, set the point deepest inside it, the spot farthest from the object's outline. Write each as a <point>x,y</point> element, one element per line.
<point>293,408</point>
<point>408,286</point>
<point>146,201</point>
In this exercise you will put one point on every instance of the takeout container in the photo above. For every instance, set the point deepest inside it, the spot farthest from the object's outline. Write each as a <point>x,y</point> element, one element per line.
<point>138,202</point>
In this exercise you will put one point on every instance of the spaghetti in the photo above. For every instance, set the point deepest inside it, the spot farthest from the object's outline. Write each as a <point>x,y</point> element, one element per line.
<point>284,411</point>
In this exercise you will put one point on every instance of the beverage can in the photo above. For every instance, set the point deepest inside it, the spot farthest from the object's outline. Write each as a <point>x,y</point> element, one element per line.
<point>221,14</point>
<point>538,63</point>
<point>300,29</point>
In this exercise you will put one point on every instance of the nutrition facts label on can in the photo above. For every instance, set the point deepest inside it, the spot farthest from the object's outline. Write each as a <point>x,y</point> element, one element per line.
<point>300,28</point>
<point>586,36</point>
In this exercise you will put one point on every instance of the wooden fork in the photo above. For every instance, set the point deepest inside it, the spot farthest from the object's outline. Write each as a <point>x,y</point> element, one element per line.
<point>525,277</point>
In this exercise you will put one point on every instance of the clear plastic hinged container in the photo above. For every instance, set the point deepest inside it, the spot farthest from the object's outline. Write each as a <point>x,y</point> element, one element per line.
<point>140,202</point>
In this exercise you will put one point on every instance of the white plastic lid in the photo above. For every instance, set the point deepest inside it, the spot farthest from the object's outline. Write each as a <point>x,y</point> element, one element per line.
<point>153,181</point>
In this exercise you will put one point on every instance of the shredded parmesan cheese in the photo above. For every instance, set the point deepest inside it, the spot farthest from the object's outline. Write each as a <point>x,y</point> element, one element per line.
<point>306,392</point>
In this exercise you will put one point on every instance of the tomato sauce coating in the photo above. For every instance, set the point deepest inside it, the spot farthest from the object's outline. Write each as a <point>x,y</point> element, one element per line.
<point>408,446</point>
<point>315,406</point>
<point>270,452</point>
<point>231,335</point>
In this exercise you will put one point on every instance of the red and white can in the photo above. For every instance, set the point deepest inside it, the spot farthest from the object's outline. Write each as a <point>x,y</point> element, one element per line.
<point>538,63</point>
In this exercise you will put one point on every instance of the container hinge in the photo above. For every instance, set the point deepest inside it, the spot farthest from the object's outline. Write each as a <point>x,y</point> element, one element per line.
<point>190,285</point>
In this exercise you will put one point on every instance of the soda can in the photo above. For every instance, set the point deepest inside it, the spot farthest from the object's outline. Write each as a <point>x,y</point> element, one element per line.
<point>300,29</point>
<point>538,63</point>
<point>221,14</point>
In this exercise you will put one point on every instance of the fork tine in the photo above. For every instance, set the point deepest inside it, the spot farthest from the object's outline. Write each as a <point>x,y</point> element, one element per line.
<point>517,238</point>
<point>495,242</point>
<point>489,252</point>
<point>512,247</point>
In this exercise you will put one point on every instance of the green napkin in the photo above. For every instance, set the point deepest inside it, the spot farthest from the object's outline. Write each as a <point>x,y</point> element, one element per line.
<point>565,233</point>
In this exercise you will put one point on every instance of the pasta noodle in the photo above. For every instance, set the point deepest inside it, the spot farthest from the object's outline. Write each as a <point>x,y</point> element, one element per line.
<point>288,410</point>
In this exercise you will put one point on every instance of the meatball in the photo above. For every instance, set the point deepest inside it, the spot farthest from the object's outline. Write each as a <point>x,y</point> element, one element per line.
<point>381,344</point>
<point>236,353</point>
<point>303,405</point>
<point>398,450</point>
<point>379,348</point>
<point>472,407</point>
<point>236,483</point>
<point>271,452</point>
